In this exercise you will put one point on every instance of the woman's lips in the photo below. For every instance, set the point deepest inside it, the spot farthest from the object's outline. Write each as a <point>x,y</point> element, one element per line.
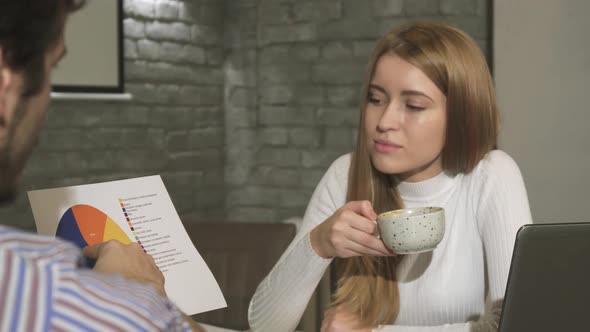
<point>386,147</point>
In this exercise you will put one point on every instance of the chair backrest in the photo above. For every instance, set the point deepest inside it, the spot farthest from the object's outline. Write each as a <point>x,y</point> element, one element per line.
<point>239,255</point>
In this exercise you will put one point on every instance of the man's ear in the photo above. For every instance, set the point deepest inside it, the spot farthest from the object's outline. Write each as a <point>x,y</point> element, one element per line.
<point>5,83</point>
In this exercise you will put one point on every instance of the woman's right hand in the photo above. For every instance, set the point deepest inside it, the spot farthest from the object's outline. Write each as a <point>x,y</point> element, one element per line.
<point>349,232</point>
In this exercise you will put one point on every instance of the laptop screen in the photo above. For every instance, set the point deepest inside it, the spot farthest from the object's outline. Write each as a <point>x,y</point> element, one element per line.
<point>549,283</point>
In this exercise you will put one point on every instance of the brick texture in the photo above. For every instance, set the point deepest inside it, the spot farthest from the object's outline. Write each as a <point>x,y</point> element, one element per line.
<point>309,62</point>
<point>240,105</point>
<point>174,126</point>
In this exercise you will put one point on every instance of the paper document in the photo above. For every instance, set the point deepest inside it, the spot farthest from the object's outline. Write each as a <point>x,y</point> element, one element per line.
<point>134,210</point>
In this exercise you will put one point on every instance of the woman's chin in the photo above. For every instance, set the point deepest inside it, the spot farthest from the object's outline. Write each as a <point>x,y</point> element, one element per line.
<point>385,164</point>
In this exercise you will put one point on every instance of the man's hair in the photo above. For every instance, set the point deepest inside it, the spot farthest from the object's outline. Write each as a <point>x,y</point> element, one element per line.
<point>28,29</point>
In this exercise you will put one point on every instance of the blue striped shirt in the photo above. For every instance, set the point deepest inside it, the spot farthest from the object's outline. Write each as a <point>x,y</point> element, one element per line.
<point>42,288</point>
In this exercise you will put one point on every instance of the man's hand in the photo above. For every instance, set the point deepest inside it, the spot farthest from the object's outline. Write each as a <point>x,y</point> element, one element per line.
<point>133,263</point>
<point>129,260</point>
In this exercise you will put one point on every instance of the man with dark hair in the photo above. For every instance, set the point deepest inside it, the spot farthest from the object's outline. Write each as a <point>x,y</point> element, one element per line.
<point>43,286</point>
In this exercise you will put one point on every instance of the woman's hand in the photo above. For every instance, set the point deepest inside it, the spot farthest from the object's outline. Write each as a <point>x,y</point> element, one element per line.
<point>349,232</point>
<point>338,320</point>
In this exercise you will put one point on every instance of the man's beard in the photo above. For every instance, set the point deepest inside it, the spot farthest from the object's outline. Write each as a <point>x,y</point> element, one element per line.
<point>8,197</point>
<point>8,187</point>
<point>10,165</point>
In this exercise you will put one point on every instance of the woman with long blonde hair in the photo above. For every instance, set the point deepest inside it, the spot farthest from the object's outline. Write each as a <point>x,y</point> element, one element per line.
<point>427,136</point>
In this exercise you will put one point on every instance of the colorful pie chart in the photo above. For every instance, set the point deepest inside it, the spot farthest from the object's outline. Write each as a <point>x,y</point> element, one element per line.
<point>86,225</point>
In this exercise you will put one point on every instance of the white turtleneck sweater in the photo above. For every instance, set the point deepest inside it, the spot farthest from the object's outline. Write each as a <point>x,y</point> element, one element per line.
<point>457,287</point>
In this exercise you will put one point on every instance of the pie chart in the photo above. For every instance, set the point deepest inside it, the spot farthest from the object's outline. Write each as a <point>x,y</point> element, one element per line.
<point>86,225</point>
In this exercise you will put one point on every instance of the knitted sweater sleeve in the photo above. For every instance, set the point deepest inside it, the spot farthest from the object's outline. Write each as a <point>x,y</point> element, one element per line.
<point>501,207</point>
<point>281,298</point>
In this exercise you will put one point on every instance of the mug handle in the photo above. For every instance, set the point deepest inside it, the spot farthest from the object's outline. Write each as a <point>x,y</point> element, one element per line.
<point>378,235</point>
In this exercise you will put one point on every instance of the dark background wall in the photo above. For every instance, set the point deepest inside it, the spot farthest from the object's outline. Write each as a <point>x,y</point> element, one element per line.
<point>240,105</point>
<point>293,74</point>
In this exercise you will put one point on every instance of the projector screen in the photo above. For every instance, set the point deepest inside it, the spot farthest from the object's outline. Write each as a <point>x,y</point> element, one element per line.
<point>94,43</point>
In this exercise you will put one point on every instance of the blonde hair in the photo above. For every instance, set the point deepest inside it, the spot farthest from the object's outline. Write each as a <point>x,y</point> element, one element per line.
<point>367,285</point>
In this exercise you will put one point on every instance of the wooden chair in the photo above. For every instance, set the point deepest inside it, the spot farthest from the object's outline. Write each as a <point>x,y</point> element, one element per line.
<point>239,255</point>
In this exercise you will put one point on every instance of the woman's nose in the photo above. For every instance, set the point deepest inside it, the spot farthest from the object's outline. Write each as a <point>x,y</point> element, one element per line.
<point>392,118</point>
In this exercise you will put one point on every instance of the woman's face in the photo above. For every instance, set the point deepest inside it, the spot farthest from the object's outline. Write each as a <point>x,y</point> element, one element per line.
<point>405,120</point>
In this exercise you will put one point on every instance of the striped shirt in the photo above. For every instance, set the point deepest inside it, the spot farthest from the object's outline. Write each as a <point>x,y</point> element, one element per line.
<point>43,288</point>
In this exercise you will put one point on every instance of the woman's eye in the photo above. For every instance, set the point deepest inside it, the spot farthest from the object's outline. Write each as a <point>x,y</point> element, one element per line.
<point>374,100</point>
<point>415,107</point>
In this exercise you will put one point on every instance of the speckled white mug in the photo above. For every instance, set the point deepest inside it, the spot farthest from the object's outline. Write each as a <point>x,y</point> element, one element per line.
<point>411,231</point>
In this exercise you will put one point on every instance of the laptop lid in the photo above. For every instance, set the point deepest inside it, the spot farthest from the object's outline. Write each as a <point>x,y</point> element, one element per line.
<point>549,282</point>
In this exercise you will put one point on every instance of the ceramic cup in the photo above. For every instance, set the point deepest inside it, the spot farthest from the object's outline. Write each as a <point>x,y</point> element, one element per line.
<point>410,231</point>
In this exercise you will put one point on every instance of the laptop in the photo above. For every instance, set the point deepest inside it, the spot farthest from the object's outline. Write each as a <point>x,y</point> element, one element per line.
<point>549,282</point>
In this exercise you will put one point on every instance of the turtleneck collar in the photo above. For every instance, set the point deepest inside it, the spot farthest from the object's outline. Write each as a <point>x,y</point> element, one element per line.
<point>427,189</point>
